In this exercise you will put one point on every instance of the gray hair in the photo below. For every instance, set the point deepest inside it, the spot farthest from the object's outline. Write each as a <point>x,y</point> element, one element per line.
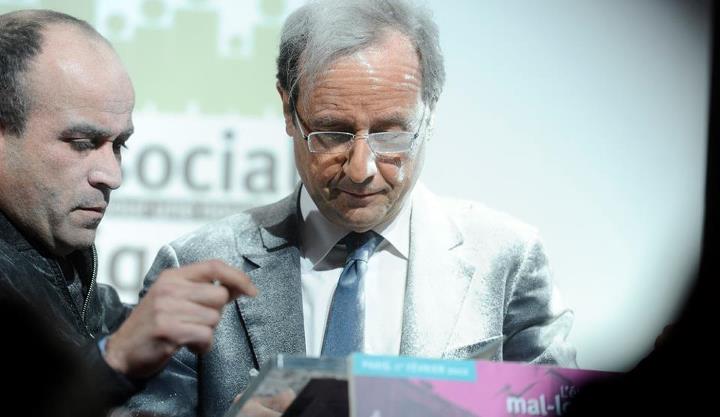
<point>21,39</point>
<point>321,31</point>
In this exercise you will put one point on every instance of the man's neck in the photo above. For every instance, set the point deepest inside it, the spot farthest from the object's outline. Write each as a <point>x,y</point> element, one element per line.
<point>319,235</point>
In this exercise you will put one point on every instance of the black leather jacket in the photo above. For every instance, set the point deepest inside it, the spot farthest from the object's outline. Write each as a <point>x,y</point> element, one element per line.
<point>31,275</point>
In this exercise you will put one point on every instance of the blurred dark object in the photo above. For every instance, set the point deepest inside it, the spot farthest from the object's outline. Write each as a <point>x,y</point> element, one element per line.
<point>321,397</point>
<point>670,380</point>
<point>43,376</point>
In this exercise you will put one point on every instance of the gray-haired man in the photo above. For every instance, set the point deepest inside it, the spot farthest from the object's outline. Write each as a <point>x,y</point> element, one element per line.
<point>360,257</point>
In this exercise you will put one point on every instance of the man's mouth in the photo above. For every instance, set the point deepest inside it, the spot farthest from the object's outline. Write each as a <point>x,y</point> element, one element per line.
<point>360,194</point>
<point>100,209</point>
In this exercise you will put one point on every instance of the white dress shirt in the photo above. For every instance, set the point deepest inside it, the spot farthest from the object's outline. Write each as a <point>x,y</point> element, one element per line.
<point>322,261</point>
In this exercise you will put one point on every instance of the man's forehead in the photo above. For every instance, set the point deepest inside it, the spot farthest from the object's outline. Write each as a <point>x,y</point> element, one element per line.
<point>76,71</point>
<point>73,52</point>
<point>393,51</point>
<point>69,102</point>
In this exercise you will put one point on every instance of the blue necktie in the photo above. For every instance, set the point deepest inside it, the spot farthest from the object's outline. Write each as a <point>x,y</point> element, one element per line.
<point>346,322</point>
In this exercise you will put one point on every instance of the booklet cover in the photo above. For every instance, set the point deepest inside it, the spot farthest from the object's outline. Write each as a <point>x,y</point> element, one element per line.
<point>399,386</point>
<point>392,386</point>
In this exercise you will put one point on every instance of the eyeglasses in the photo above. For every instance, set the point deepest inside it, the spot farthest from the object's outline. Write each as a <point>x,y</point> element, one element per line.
<point>381,143</point>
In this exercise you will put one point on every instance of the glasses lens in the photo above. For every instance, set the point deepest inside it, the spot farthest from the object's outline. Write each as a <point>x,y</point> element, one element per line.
<point>391,142</point>
<point>329,142</point>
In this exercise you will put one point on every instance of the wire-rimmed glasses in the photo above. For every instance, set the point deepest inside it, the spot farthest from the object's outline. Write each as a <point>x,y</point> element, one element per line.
<point>381,143</point>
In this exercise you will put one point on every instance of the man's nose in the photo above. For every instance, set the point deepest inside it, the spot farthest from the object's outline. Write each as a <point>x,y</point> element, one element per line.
<point>360,164</point>
<point>106,172</point>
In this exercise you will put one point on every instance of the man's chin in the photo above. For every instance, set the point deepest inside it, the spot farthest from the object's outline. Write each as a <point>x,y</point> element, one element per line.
<point>361,219</point>
<point>86,219</point>
<point>79,238</point>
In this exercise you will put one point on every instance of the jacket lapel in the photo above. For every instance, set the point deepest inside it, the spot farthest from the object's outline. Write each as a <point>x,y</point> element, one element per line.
<point>437,278</point>
<point>274,319</point>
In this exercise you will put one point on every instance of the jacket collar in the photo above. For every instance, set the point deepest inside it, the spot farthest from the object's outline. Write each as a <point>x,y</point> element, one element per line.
<point>278,226</point>
<point>274,319</point>
<point>437,280</point>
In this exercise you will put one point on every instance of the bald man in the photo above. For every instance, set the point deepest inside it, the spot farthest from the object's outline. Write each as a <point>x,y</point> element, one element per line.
<point>66,106</point>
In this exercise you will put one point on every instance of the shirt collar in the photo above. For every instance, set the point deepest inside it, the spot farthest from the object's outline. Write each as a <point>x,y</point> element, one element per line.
<point>319,235</point>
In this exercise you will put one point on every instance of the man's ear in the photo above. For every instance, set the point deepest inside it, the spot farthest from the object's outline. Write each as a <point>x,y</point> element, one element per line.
<point>287,110</point>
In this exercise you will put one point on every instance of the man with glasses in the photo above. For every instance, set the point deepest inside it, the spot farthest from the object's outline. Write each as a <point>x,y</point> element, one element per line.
<point>360,257</point>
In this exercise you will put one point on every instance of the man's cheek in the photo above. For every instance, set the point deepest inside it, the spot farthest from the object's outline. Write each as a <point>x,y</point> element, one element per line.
<point>395,170</point>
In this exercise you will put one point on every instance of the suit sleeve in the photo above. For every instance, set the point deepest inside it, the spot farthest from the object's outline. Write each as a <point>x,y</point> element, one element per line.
<point>174,390</point>
<point>536,325</point>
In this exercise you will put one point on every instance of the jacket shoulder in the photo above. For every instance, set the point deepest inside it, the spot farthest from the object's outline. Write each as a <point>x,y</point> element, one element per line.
<point>477,222</point>
<point>224,229</point>
<point>221,238</point>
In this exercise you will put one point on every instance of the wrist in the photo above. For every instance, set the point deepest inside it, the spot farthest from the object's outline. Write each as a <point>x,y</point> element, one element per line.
<point>112,355</point>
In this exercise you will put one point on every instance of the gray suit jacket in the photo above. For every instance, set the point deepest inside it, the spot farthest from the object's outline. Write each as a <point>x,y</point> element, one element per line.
<point>474,276</point>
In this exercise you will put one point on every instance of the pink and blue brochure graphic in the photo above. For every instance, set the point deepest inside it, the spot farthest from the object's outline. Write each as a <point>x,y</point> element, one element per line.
<point>392,386</point>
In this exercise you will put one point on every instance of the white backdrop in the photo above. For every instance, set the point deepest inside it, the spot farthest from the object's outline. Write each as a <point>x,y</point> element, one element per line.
<point>586,119</point>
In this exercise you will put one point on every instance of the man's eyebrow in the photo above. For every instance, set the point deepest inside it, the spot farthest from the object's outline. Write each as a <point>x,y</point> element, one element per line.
<point>93,132</point>
<point>327,122</point>
<point>86,130</point>
<point>395,119</point>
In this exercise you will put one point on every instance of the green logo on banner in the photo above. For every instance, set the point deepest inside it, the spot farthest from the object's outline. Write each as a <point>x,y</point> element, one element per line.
<point>181,66</point>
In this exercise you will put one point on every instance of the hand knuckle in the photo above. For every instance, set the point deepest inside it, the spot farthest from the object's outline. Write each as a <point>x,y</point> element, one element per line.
<point>223,294</point>
<point>214,317</point>
<point>215,265</point>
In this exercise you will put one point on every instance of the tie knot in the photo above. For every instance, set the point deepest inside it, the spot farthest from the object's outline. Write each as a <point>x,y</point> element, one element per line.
<point>360,246</point>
